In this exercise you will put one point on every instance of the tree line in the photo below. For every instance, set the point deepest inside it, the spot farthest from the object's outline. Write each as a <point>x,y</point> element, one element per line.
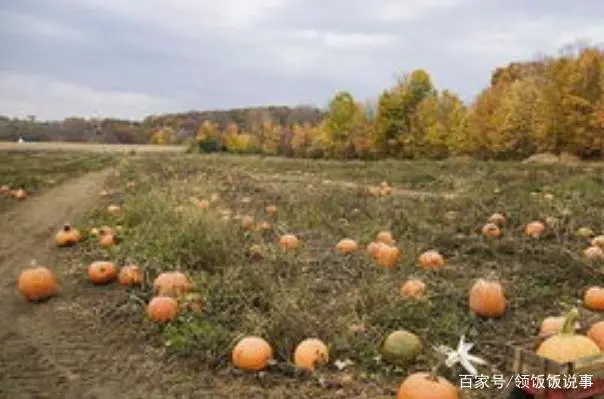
<point>552,104</point>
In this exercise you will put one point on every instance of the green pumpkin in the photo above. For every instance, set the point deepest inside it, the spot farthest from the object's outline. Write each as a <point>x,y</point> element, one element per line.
<point>401,347</point>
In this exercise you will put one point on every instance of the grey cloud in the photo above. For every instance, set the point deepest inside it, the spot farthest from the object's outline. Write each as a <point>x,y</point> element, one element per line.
<point>301,52</point>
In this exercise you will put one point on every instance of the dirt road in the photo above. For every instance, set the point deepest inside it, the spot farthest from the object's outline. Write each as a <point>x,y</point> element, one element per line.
<point>59,349</point>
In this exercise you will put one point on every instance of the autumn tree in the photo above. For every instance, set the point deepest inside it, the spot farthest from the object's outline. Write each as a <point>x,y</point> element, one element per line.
<point>165,135</point>
<point>397,112</point>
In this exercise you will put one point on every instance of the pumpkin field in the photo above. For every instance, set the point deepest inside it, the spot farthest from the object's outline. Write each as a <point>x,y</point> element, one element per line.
<point>272,252</point>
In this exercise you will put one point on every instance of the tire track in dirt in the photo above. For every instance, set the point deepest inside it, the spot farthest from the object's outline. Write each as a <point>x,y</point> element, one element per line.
<point>57,349</point>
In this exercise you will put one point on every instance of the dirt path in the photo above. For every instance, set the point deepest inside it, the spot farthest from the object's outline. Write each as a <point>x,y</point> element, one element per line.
<point>57,349</point>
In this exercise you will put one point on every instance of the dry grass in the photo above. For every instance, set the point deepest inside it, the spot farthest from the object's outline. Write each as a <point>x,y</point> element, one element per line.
<point>37,170</point>
<point>314,291</point>
<point>90,147</point>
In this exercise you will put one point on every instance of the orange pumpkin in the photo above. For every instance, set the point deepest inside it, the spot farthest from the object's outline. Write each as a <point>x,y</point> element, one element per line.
<point>598,241</point>
<point>498,219</point>
<point>373,247</point>
<point>552,325</point>
<point>534,229</point>
<point>67,236</point>
<point>385,237</point>
<point>4,189</point>
<point>347,246</point>
<point>203,204</point>
<point>491,230</point>
<point>252,353</point>
<point>594,253</point>
<point>37,283</point>
<point>566,346</point>
<point>413,289</point>
<point>102,272</point>
<point>311,353</point>
<point>107,240</point>
<point>271,210</point>
<point>387,256</point>
<point>596,334</point>
<point>172,284</point>
<point>431,260</point>
<point>289,241</point>
<point>162,309</point>
<point>130,275</point>
<point>594,298</point>
<point>20,194</point>
<point>424,385</point>
<point>247,222</point>
<point>487,299</point>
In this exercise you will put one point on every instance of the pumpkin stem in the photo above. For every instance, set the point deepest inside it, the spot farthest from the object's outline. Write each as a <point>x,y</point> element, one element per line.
<point>570,321</point>
<point>66,227</point>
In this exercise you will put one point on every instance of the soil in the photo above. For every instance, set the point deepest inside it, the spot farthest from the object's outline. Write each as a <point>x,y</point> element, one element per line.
<point>57,349</point>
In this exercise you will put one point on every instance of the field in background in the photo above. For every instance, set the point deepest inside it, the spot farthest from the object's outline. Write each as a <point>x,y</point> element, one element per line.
<point>59,146</point>
<point>345,300</point>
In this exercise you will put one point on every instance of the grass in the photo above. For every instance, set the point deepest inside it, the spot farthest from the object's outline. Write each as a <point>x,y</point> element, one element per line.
<point>315,292</point>
<point>35,171</point>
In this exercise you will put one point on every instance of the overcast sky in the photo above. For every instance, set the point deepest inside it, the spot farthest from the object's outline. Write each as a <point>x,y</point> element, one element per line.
<point>131,58</point>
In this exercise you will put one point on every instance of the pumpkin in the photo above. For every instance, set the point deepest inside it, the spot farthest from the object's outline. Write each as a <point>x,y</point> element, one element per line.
<point>594,253</point>
<point>596,334</point>
<point>203,204</point>
<point>264,226</point>
<point>94,232</point>
<point>271,210</point>
<point>4,189</point>
<point>385,237</point>
<point>385,191</point>
<point>566,346</point>
<point>107,240</point>
<point>67,236</point>
<point>598,241</point>
<point>431,260</point>
<point>311,353</point>
<point>552,325</point>
<point>413,289</point>
<point>401,347</point>
<point>131,184</point>
<point>37,283</point>
<point>534,229</point>
<point>347,246</point>
<point>487,299</point>
<point>373,247</point>
<point>106,230</point>
<point>585,232</point>
<point>247,222</point>
<point>387,256</point>
<point>102,272</point>
<point>114,210</point>
<point>498,219</point>
<point>491,230</point>
<point>20,194</point>
<point>374,191</point>
<point>172,284</point>
<point>252,353</point>
<point>192,302</point>
<point>288,241</point>
<point>162,309</point>
<point>423,385</point>
<point>130,275</point>
<point>594,298</point>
